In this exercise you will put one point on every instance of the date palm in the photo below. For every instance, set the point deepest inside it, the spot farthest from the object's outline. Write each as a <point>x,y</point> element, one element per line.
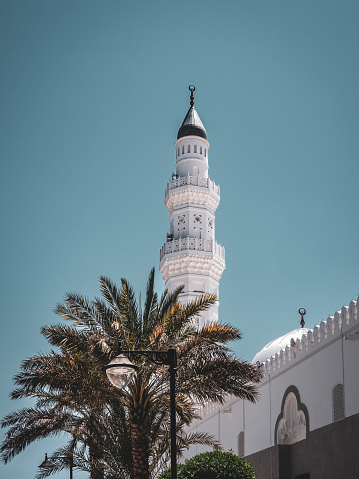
<point>71,382</point>
<point>72,397</point>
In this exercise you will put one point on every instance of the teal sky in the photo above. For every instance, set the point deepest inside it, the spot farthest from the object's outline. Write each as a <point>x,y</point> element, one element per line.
<point>92,96</point>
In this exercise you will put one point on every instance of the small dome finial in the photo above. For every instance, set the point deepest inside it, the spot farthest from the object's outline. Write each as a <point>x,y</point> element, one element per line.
<point>302,312</point>
<point>191,89</point>
<point>192,125</point>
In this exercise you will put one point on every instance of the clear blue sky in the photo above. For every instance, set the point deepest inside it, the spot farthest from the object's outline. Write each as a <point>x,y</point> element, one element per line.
<point>92,96</point>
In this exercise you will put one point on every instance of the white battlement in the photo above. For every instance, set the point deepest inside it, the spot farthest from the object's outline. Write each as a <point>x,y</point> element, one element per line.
<point>344,322</point>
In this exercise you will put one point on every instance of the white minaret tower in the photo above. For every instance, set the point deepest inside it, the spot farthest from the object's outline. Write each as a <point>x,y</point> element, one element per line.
<point>191,256</point>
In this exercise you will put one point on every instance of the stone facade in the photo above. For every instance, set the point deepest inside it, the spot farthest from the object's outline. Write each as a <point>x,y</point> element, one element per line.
<point>330,452</point>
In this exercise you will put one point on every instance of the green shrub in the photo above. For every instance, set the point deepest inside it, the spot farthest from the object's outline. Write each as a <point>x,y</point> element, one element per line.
<point>167,473</point>
<point>213,465</point>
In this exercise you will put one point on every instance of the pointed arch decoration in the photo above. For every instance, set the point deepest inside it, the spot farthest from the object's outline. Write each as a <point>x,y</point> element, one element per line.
<point>292,424</point>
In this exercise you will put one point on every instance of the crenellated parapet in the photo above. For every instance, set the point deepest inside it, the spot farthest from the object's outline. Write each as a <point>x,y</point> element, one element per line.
<point>344,323</point>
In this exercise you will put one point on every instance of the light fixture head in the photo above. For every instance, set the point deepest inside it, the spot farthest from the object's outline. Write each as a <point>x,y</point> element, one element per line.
<point>46,464</point>
<point>120,371</point>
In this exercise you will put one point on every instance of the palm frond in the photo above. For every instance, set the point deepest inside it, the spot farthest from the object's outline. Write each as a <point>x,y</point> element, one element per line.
<point>29,427</point>
<point>187,316</point>
<point>218,333</point>
<point>67,338</point>
<point>78,310</point>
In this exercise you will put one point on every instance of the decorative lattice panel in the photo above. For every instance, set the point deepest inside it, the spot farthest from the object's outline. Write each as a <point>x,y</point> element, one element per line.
<point>240,440</point>
<point>338,402</point>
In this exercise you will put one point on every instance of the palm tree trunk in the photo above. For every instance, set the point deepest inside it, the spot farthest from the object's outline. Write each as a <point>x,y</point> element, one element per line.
<point>139,444</point>
<point>95,473</point>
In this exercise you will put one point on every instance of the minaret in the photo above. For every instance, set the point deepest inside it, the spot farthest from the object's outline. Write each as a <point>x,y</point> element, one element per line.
<point>191,256</point>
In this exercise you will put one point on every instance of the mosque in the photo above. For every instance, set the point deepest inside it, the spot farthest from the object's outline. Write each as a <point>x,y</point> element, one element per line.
<point>306,422</point>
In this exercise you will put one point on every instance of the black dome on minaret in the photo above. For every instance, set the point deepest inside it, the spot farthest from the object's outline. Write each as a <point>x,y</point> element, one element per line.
<point>192,125</point>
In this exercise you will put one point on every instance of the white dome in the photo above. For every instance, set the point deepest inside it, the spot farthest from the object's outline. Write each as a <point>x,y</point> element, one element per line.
<point>278,344</point>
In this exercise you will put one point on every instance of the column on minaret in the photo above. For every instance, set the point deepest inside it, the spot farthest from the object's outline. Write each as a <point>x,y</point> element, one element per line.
<point>191,256</point>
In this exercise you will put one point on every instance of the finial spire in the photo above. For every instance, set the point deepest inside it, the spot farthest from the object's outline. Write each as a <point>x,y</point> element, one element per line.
<point>302,312</point>
<point>191,89</point>
<point>192,125</point>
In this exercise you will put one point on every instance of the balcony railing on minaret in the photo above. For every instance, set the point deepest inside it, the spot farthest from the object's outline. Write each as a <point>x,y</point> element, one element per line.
<point>194,181</point>
<point>194,244</point>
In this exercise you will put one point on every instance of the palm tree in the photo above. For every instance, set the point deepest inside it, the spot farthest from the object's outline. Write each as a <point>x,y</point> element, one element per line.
<point>73,396</point>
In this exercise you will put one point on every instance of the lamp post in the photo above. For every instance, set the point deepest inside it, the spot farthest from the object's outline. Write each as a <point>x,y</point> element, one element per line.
<point>71,465</point>
<point>120,371</point>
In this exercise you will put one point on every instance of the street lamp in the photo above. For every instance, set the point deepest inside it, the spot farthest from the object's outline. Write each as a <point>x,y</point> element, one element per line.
<point>120,371</point>
<point>46,464</point>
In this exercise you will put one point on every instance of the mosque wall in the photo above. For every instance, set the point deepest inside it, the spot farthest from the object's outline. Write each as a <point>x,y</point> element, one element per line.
<point>315,378</point>
<point>271,463</point>
<point>308,403</point>
<point>257,418</point>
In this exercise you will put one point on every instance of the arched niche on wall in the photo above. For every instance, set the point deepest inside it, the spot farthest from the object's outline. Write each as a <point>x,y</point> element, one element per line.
<point>292,424</point>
